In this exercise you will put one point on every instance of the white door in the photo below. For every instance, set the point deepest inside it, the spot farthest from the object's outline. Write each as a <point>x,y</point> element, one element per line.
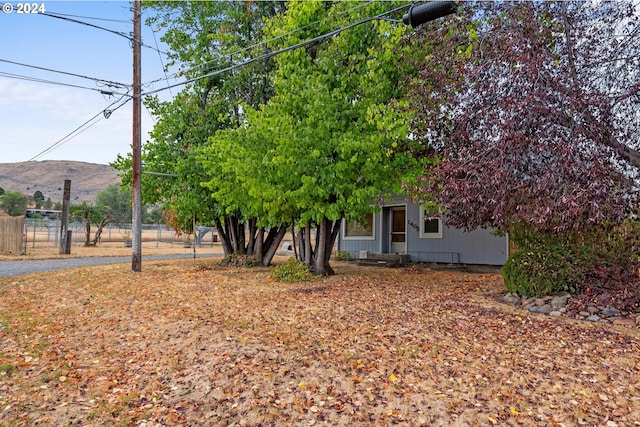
<point>398,231</point>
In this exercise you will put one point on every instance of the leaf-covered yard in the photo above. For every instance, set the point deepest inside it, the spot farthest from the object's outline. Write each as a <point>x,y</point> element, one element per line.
<point>204,345</point>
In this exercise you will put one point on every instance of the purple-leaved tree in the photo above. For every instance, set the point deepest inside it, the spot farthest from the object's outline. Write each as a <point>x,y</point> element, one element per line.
<point>533,109</point>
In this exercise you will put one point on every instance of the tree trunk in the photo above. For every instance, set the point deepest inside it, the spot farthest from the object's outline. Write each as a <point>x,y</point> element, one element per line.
<point>253,230</point>
<point>224,237</point>
<point>273,245</point>
<point>331,241</point>
<point>96,238</point>
<point>240,234</point>
<point>258,243</point>
<point>299,242</point>
<point>295,238</point>
<point>307,245</point>
<point>232,230</point>
<point>325,240</point>
<point>321,265</point>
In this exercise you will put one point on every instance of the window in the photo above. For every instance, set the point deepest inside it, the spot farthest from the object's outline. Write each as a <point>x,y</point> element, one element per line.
<point>357,231</point>
<point>430,224</point>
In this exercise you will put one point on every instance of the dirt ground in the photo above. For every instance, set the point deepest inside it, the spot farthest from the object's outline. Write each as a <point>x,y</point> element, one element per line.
<point>203,345</point>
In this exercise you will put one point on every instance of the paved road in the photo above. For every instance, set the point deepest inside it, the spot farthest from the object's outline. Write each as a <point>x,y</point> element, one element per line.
<point>15,268</point>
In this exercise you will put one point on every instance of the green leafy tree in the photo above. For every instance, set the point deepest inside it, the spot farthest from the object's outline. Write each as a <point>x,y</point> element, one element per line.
<point>90,214</point>
<point>38,199</point>
<point>100,215</point>
<point>1,191</point>
<point>203,36</point>
<point>116,201</point>
<point>152,214</point>
<point>14,203</point>
<point>113,204</point>
<point>332,140</point>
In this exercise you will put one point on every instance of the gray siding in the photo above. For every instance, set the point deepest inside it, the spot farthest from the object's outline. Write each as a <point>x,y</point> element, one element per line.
<point>456,246</point>
<point>354,246</point>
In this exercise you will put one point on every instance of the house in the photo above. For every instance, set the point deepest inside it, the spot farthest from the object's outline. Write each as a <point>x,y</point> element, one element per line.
<point>402,227</point>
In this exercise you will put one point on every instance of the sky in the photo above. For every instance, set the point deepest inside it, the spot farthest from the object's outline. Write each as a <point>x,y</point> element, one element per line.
<point>35,117</point>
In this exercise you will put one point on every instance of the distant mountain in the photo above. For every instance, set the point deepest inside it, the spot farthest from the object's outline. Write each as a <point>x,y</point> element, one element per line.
<point>87,179</point>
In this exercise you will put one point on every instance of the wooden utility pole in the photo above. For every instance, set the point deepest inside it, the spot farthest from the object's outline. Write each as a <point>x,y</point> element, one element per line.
<point>136,190</point>
<point>64,244</point>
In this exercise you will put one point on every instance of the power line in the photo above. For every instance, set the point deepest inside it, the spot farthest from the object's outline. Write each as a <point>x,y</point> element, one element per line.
<point>128,36</point>
<point>264,42</point>
<point>255,45</point>
<point>64,18</point>
<point>160,58</point>
<point>277,52</point>
<point>123,21</point>
<point>95,79</point>
<point>106,112</point>
<point>52,82</point>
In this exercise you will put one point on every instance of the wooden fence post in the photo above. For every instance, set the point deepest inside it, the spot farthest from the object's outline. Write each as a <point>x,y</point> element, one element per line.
<point>64,247</point>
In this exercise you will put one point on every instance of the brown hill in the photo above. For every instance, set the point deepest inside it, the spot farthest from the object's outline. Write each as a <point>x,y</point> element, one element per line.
<point>87,179</point>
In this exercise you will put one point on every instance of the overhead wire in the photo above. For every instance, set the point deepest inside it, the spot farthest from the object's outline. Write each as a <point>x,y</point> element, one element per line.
<point>128,36</point>
<point>123,21</point>
<point>160,58</point>
<point>52,82</point>
<point>264,42</point>
<point>106,112</point>
<point>76,21</point>
<point>95,79</point>
<point>277,52</point>
<point>253,46</point>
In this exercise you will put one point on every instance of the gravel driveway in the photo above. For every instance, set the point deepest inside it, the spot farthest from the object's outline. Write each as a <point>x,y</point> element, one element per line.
<point>15,268</point>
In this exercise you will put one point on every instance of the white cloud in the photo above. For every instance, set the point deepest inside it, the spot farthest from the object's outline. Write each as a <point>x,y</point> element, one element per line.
<point>33,117</point>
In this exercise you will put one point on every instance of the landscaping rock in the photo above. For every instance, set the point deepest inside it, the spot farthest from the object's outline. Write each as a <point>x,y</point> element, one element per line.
<point>559,302</point>
<point>545,309</point>
<point>557,306</point>
<point>610,312</point>
<point>593,310</point>
<point>512,299</point>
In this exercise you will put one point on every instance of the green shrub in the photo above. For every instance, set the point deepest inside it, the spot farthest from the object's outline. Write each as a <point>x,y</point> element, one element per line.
<point>540,271</point>
<point>560,268</point>
<point>343,256</point>
<point>293,270</point>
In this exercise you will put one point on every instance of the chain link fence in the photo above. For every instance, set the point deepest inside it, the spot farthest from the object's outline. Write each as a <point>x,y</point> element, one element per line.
<point>46,233</point>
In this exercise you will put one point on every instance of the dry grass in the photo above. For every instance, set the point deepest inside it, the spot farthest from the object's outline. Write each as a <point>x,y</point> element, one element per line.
<point>203,345</point>
<point>111,249</point>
